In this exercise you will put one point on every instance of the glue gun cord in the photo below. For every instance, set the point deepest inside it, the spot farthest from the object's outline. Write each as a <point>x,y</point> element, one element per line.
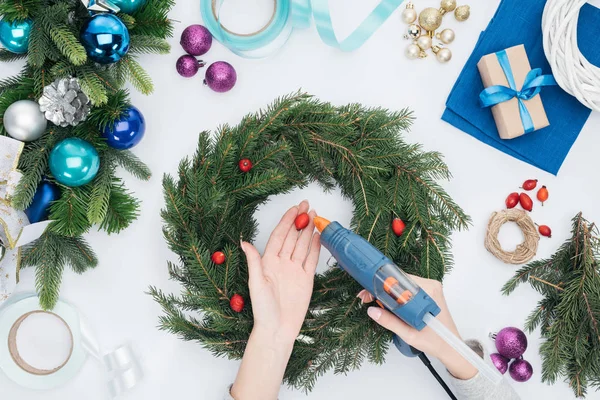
<point>427,363</point>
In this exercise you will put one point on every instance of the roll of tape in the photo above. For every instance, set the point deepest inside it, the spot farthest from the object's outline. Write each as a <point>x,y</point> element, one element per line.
<point>12,314</point>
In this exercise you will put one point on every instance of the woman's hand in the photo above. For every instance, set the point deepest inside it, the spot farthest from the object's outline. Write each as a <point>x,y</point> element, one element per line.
<point>425,340</point>
<point>281,283</point>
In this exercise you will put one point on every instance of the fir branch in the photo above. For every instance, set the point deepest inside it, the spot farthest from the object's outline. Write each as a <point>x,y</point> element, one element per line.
<point>149,44</point>
<point>68,44</point>
<point>8,56</point>
<point>132,164</point>
<point>122,210</point>
<point>100,194</point>
<point>138,77</point>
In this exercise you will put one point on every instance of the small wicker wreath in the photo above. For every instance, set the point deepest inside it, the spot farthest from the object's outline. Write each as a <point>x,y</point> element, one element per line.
<point>524,251</point>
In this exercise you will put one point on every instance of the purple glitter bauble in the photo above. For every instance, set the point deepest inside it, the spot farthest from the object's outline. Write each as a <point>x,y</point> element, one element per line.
<point>520,370</point>
<point>188,66</point>
<point>196,40</point>
<point>220,76</point>
<point>511,342</point>
<point>500,362</point>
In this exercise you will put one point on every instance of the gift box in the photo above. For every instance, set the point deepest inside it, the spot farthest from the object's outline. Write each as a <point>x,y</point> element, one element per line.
<point>512,91</point>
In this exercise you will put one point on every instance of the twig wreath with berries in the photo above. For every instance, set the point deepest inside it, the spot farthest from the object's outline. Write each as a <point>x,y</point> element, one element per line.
<point>398,207</point>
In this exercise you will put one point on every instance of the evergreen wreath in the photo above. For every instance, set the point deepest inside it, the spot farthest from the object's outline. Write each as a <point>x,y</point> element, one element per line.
<point>569,312</point>
<point>295,141</point>
<point>55,52</point>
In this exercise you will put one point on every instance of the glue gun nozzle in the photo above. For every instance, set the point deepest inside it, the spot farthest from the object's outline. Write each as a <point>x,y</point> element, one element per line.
<point>321,223</point>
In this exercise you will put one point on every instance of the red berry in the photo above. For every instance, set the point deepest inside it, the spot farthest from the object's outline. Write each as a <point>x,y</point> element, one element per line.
<point>218,257</point>
<point>236,303</point>
<point>526,202</point>
<point>512,200</point>
<point>302,221</point>
<point>545,230</point>
<point>530,184</point>
<point>245,165</point>
<point>542,194</point>
<point>398,226</point>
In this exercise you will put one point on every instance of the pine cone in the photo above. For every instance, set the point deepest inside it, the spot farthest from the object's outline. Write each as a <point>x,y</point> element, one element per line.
<point>64,103</point>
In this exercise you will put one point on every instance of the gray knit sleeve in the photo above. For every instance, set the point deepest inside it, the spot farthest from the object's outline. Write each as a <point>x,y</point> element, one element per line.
<point>478,387</point>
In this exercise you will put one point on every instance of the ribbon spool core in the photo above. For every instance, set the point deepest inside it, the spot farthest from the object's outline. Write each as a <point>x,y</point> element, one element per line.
<point>13,347</point>
<point>216,5</point>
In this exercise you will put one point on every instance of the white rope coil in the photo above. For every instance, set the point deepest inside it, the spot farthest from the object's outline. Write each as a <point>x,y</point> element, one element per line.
<point>572,71</point>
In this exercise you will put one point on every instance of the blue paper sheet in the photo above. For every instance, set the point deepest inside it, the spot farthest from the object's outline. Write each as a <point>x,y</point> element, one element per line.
<point>520,22</point>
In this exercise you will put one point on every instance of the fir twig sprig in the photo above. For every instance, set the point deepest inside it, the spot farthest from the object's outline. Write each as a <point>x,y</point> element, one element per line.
<point>569,313</point>
<point>294,141</point>
<point>55,52</point>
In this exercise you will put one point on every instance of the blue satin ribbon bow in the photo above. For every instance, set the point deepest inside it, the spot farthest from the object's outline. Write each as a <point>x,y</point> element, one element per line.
<point>534,81</point>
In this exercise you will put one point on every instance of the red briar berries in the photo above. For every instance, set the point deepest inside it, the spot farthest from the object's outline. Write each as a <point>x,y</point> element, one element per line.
<point>512,200</point>
<point>530,184</point>
<point>302,221</point>
<point>542,194</point>
<point>236,303</point>
<point>545,230</point>
<point>398,226</point>
<point>245,165</point>
<point>526,202</point>
<point>218,257</point>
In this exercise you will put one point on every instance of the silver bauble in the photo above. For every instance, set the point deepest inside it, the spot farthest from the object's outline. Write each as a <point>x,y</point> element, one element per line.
<point>413,32</point>
<point>24,121</point>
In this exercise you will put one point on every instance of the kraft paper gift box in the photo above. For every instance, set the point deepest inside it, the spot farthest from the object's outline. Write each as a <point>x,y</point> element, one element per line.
<point>507,114</point>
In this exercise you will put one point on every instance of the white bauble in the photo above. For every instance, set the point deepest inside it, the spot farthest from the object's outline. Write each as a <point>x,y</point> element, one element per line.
<point>24,121</point>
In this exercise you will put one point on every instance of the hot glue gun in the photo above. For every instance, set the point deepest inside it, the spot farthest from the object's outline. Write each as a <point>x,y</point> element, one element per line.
<point>394,290</point>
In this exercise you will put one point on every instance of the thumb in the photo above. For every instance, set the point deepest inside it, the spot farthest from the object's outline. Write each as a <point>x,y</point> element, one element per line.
<point>390,322</point>
<point>254,261</point>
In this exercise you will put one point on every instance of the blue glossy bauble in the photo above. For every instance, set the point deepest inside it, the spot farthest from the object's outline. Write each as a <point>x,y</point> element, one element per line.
<point>105,38</point>
<point>46,193</point>
<point>129,6</point>
<point>74,162</point>
<point>127,131</point>
<point>14,36</point>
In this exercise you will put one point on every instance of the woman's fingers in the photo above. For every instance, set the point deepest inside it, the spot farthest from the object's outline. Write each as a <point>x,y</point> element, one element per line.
<point>280,232</point>
<point>310,265</point>
<point>292,235</point>
<point>255,273</point>
<point>392,323</point>
<point>301,250</point>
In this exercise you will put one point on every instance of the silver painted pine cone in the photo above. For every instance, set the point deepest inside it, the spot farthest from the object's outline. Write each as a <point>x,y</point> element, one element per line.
<point>64,103</point>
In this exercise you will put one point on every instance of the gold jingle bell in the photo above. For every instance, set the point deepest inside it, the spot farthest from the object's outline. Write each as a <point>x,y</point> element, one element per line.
<point>430,19</point>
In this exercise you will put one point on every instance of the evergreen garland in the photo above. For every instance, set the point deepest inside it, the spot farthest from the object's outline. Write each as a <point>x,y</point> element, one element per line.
<point>55,52</point>
<point>295,141</point>
<point>569,313</point>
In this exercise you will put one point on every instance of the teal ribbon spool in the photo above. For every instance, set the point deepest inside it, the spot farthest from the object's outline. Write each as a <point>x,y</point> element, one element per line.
<point>288,15</point>
<point>534,81</point>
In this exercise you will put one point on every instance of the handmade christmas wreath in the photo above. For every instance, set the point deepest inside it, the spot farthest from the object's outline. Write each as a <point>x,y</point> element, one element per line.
<point>295,141</point>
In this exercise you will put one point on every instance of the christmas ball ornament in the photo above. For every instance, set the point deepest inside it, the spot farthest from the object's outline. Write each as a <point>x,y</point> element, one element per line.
<point>545,230</point>
<point>39,209</point>
<point>409,15</point>
<point>302,221</point>
<point>424,42</point>
<point>448,5</point>
<point>74,162</point>
<point>220,76</point>
<point>24,121</point>
<point>520,370</point>
<point>526,201</point>
<point>236,303</point>
<point>398,226</point>
<point>129,6</point>
<point>511,342</point>
<point>442,54</point>
<point>413,32</point>
<point>105,38</point>
<point>500,362</point>
<point>542,194</point>
<point>462,13</point>
<point>430,19</point>
<point>14,36</point>
<point>64,103</point>
<point>187,66</point>
<point>245,165</point>
<point>413,51</point>
<point>512,200</point>
<point>530,184</point>
<point>218,257</point>
<point>447,36</point>
<point>196,40</point>
<point>127,131</point>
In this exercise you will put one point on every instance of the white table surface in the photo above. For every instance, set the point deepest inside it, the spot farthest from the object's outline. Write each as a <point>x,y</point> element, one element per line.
<point>113,295</point>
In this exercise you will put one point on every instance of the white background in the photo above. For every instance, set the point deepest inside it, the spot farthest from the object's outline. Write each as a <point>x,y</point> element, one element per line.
<point>112,296</point>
